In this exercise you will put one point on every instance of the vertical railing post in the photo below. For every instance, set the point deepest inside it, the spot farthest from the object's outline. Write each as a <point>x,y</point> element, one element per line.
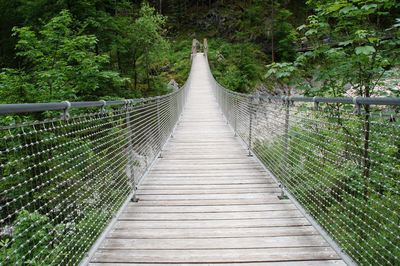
<point>194,48</point>
<point>170,116</point>
<point>253,102</point>
<point>250,110</point>
<point>176,109</point>
<point>235,107</point>
<point>226,102</point>
<point>285,165</point>
<point>286,102</point>
<point>131,159</point>
<point>181,100</point>
<point>159,127</point>
<point>227,113</point>
<point>205,47</point>
<point>230,109</point>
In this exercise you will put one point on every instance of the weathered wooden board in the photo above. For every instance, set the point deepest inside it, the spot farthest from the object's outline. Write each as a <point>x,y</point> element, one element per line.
<point>202,181</point>
<point>241,223</point>
<point>210,196</point>
<point>183,191</point>
<point>210,208</point>
<point>215,243</point>
<point>209,215</point>
<point>214,175</point>
<point>211,202</point>
<point>215,255</point>
<point>285,263</point>
<point>176,233</point>
<point>206,186</point>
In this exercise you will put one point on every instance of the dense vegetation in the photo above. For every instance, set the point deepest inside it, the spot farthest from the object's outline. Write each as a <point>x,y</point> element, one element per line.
<point>323,162</point>
<point>82,50</point>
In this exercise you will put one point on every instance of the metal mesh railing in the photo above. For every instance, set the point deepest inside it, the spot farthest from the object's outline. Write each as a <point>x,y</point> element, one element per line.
<point>64,179</point>
<point>339,158</point>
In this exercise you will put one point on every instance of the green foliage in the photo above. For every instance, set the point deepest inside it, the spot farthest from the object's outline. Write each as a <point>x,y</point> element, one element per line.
<point>31,228</point>
<point>238,67</point>
<point>86,47</point>
<point>323,169</point>
<point>283,74</point>
<point>178,60</point>
<point>365,48</point>
<point>60,64</point>
<point>141,48</point>
<point>71,177</point>
<point>352,47</point>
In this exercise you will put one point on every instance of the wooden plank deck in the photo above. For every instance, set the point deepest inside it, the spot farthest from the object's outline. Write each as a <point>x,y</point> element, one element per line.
<point>206,202</point>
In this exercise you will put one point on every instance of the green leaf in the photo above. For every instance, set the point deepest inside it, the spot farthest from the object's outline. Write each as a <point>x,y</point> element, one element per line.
<point>397,24</point>
<point>345,43</point>
<point>373,39</point>
<point>365,50</point>
<point>370,6</point>
<point>311,32</point>
<point>302,27</point>
<point>348,9</point>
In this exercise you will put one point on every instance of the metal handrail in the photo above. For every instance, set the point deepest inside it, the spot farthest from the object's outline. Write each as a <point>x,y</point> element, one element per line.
<point>344,100</point>
<point>8,109</point>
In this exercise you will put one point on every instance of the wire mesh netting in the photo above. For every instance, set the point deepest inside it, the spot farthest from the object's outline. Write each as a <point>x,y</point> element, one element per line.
<point>64,179</point>
<point>339,162</point>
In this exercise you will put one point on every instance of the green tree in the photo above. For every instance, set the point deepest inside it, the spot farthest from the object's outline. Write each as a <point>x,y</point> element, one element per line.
<point>59,64</point>
<point>140,45</point>
<point>353,44</point>
<point>238,67</point>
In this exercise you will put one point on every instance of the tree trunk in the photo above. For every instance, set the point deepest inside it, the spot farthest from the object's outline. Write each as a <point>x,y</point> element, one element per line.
<point>119,62</point>
<point>147,72</point>
<point>366,160</point>
<point>134,74</point>
<point>272,31</point>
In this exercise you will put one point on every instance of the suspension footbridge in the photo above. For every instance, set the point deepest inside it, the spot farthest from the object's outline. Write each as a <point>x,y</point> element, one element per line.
<point>207,201</point>
<point>201,176</point>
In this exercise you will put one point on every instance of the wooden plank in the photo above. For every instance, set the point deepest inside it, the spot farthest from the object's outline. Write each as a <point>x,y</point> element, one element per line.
<point>195,145</point>
<point>213,232</point>
<point>195,167</point>
<point>237,170</point>
<point>203,181</point>
<point>216,255</point>
<point>203,150</point>
<point>173,156</point>
<point>205,186</point>
<point>242,180</point>
<point>133,207</point>
<point>184,191</point>
<point>210,177</point>
<point>210,196</point>
<point>210,202</point>
<point>201,162</point>
<point>213,175</point>
<point>209,215</point>
<point>215,243</point>
<point>286,263</point>
<point>213,223</point>
<point>232,140</point>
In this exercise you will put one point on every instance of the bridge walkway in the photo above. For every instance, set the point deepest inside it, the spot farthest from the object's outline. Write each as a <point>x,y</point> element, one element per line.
<point>206,202</point>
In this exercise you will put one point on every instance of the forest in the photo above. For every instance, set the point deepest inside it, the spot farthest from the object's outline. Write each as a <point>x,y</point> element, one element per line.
<point>89,50</point>
<point>127,49</point>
